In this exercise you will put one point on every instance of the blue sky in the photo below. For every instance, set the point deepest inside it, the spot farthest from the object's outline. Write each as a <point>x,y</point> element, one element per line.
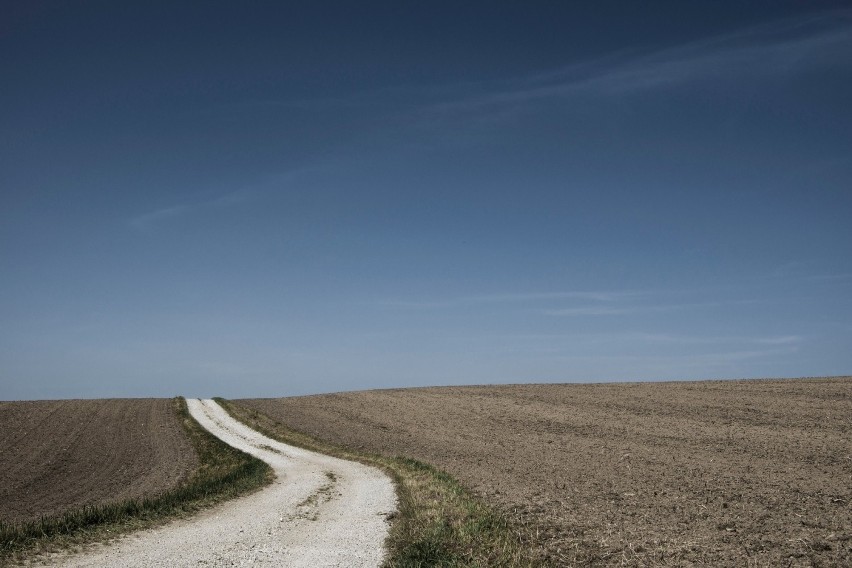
<point>269,199</point>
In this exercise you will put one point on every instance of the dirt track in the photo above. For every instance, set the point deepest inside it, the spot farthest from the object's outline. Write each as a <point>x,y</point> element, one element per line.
<point>755,473</point>
<point>56,455</point>
<point>320,511</point>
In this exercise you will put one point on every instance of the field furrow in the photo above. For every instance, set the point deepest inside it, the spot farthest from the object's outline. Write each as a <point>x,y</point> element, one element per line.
<point>723,473</point>
<point>60,455</point>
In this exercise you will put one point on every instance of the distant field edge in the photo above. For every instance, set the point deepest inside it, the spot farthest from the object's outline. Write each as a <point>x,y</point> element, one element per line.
<point>439,522</point>
<point>223,473</point>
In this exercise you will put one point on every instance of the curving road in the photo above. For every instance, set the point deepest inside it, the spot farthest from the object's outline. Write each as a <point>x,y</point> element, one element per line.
<point>320,511</point>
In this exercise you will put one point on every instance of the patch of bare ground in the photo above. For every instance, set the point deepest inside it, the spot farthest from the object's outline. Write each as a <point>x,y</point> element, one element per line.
<point>716,473</point>
<point>64,454</point>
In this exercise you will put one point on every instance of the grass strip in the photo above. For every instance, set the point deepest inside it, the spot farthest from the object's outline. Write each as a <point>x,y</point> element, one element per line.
<point>223,472</point>
<point>438,523</point>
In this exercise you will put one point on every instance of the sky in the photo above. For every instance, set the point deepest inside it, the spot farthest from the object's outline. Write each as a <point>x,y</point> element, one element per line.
<point>253,199</point>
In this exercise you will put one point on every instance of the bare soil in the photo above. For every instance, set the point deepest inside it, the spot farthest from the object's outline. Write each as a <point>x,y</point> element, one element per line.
<point>716,473</point>
<point>58,455</point>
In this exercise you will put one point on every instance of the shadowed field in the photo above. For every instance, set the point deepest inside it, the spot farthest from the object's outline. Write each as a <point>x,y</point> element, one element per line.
<point>61,455</point>
<point>716,473</point>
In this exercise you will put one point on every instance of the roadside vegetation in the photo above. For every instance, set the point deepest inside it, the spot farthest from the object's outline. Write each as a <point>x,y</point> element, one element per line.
<point>223,473</point>
<point>438,522</point>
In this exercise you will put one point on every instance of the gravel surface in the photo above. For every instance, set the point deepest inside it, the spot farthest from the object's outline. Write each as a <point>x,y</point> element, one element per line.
<point>320,511</point>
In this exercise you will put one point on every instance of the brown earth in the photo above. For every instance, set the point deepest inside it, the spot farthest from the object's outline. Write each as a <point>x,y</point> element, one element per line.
<point>57,455</point>
<point>721,473</point>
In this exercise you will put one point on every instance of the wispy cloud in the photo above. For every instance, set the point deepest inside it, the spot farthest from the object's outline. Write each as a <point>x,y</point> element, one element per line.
<point>779,48</point>
<point>553,341</point>
<point>673,355</point>
<point>147,221</point>
<point>809,270</point>
<point>153,219</point>
<point>599,295</point>
<point>592,303</point>
<point>596,310</point>
<point>416,304</point>
<point>514,298</point>
<point>717,339</point>
<point>253,191</point>
<point>707,362</point>
<point>599,311</point>
<point>830,277</point>
<point>780,340</point>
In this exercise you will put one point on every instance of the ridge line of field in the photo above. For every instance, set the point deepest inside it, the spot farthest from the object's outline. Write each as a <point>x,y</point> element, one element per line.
<point>223,473</point>
<point>439,521</point>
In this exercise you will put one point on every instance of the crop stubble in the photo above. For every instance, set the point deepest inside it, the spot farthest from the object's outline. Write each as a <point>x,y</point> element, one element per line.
<point>715,473</point>
<point>60,455</point>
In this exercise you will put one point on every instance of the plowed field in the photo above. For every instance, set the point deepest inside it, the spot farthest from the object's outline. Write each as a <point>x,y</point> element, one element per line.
<point>722,473</point>
<point>56,455</point>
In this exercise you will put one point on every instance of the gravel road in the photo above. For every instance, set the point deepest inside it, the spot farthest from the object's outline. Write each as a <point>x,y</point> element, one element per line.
<point>320,511</point>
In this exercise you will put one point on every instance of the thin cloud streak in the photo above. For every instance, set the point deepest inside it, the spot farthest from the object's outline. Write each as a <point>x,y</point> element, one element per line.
<point>829,277</point>
<point>619,338</point>
<point>765,50</point>
<point>147,221</point>
<point>601,296</point>
<point>704,360</point>
<point>712,340</point>
<point>628,310</point>
<point>606,303</point>
<point>759,51</point>
<point>249,193</point>
<point>602,311</point>
<point>514,298</point>
<point>153,219</point>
